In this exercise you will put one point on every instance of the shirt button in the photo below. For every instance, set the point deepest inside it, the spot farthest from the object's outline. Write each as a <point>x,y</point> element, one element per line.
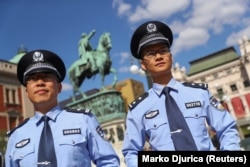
<point>21,156</point>
<point>196,115</point>
<point>73,142</point>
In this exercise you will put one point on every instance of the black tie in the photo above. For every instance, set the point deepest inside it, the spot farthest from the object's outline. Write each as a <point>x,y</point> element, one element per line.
<point>181,135</point>
<point>46,152</point>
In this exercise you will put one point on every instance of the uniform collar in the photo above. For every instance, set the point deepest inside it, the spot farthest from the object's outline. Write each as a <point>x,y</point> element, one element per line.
<point>52,114</point>
<point>157,88</point>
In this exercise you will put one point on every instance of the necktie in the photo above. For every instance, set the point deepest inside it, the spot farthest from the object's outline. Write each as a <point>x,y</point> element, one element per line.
<point>180,133</point>
<point>46,152</point>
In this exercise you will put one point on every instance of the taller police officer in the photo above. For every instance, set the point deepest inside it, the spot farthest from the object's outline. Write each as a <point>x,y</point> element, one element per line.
<point>147,118</point>
<point>78,137</point>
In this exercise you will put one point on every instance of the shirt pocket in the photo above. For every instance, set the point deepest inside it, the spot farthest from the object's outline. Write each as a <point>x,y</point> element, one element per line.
<point>157,130</point>
<point>25,156</point>
<point>196,120</point>
<point>156,125</point>
<point>72,144</point>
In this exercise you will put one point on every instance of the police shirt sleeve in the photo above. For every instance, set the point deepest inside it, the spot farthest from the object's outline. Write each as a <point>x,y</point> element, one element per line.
<point>133,141</point>
<point>9,162</point>
<point>135,134</point>
<point>101,151</point>
<point>224,125</point>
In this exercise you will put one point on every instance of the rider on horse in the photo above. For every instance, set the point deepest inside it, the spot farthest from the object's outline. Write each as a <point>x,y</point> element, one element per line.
<point>84,49</point>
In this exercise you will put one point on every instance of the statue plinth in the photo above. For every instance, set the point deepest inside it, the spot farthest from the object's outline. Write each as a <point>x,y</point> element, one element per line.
<point>106,105</point>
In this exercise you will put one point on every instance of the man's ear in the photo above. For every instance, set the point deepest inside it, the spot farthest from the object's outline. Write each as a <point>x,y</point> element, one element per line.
<point>60,88</point>
<point>143,65</point>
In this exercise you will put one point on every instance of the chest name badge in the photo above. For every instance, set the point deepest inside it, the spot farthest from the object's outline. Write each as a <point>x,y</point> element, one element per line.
<point>22,143</point>
<point>151,114</point>
<point>193,104</point>
<point>71,131</point>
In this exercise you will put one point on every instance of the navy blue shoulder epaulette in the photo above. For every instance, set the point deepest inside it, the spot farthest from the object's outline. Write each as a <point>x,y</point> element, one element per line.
<point>18,126</point>
<point>137,101</point>
<point>196,85</point>
<point>84,111</point>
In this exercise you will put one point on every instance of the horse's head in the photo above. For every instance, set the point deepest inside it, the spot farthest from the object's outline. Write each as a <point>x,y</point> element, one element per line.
<point>105,42</point>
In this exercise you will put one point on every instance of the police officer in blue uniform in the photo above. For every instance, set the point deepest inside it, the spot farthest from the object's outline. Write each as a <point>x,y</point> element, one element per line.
<point>147,119</point>
<point>78,137</point>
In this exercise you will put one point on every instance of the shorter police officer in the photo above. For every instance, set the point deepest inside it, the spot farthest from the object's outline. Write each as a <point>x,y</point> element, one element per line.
<point>148,119</point>
<point>78,137</point>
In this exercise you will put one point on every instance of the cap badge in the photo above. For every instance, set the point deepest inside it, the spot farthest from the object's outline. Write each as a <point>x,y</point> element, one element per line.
<point>37,56</point>
<point>151,27</point>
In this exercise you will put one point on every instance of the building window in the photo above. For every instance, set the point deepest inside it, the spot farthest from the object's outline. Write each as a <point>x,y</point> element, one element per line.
<point>239,109</point>
<point>220,91</point>
<point>215,75</point>
<point>233,88</point>
<point>229,71</point>
<point>120,133</point>
<point>246,83</point>
<point>11,95</point>
<point>112,135</point>
<point>7,98</point>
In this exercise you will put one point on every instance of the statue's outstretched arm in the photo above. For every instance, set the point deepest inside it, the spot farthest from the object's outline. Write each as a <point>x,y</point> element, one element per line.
<point>91,34</point>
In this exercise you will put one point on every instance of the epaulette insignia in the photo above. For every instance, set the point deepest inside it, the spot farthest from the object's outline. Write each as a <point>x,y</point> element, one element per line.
<point>84,111</point>
<point>137,101</point>
<point>196,85</point>
<point>18,126</point>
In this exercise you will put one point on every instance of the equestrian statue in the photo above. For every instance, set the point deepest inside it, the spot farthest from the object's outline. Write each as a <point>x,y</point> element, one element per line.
<point>91,62</point>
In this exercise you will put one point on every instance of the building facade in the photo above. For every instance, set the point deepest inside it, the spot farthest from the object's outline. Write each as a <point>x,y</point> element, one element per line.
<point>14,105</point>
<point>228,77</point>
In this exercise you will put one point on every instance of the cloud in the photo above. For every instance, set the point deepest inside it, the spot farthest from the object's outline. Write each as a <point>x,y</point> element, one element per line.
<point>155,9</point>
<point>234,38</point>
<point>66,87</point>
<point>189,38</point>
<point>192,21</point>
<point>124,69</point>
<point>215,14</point>
<point>122,8</point>
<point>124,57</point>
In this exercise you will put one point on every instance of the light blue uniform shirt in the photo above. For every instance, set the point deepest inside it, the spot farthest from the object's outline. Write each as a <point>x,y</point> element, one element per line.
<point>77,139</point>
<point>148,120</point>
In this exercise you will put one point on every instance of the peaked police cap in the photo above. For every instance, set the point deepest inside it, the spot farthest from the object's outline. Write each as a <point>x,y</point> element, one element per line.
<point>151,32</point>
<point>40,61</point>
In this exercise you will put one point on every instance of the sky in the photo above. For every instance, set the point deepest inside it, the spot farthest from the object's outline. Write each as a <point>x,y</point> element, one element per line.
<point>199,27</point>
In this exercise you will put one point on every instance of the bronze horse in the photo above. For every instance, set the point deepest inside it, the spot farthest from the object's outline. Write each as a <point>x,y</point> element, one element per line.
<point>103,63</point>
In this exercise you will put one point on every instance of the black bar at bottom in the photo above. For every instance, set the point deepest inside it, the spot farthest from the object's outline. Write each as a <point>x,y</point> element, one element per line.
<point>193,158</point>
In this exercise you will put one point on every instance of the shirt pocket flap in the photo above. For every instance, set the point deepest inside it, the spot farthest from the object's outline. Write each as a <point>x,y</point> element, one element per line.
<point>193,114</point>
<point>20,153</point>
<point>155,123</point>
<point>72,140</point>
